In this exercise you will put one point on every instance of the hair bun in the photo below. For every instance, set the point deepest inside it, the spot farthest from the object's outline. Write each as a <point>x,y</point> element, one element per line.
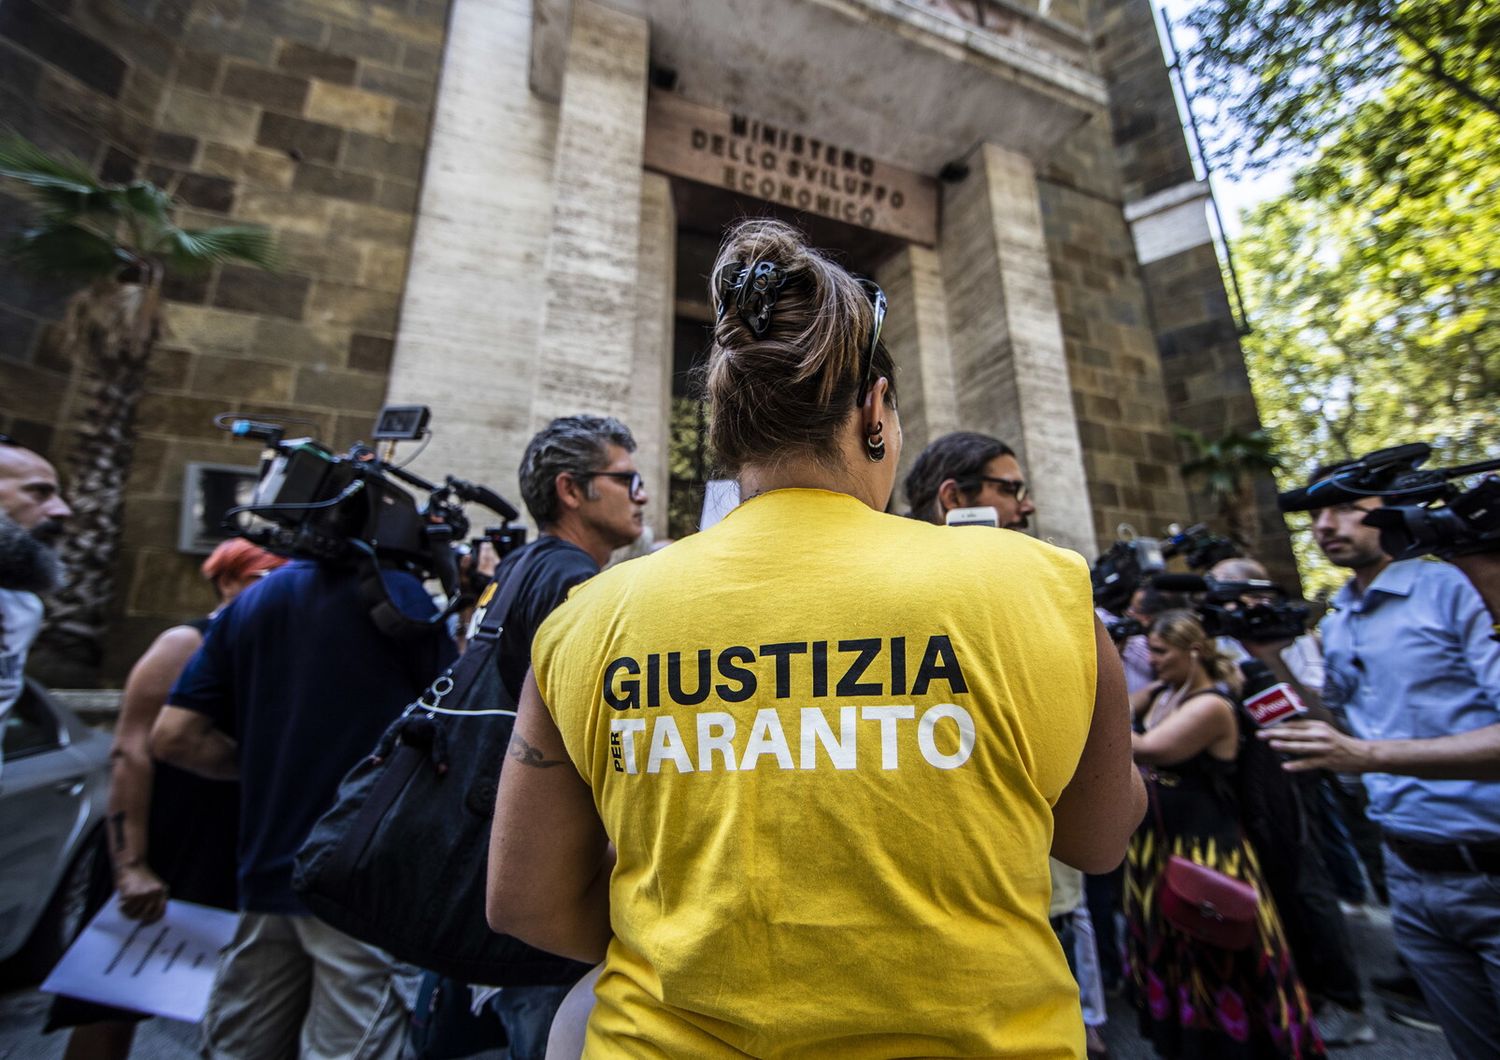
<point>791,329</point>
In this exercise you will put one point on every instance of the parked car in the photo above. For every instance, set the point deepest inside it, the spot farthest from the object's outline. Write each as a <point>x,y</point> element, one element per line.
<point>54,784</point>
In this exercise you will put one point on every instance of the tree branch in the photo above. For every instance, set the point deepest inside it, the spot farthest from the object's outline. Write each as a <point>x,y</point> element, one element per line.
<point>1440,72</point>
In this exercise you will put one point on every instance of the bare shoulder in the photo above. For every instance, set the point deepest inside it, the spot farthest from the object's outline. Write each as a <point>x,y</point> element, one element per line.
<point>179,640</point>
<point>1213,704</point>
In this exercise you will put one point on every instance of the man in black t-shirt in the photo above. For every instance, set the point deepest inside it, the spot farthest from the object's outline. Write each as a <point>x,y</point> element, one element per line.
<point>581,485</point>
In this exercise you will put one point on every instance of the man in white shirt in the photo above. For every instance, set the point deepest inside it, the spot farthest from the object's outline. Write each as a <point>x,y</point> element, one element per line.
<point>32,511</point>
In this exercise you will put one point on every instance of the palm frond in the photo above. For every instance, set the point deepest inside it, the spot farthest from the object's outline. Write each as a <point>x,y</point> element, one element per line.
<point>146,200</point>
<point>1188,435</point>
<point>61,185</point>
<point>22,160</point>
<point>196,249</point>
<point>61,248</point>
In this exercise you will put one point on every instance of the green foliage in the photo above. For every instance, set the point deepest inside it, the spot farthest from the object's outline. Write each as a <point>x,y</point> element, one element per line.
<point>1226,466</point>
<point>91,229</point>
<point>1289,75</point>
<point>1374,290</point>
<point>687,467</point>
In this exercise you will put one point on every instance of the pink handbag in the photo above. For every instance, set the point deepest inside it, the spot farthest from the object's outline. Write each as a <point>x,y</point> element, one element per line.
<point>1208,904</point>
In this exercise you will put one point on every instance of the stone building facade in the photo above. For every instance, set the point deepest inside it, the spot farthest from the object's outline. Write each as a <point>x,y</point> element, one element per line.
<point>504,208</point>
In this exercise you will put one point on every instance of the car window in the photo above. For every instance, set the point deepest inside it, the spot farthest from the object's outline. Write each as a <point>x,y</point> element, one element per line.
<point>30,727</point>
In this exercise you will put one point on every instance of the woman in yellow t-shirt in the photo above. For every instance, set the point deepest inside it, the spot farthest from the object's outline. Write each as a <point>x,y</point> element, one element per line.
<point>795,779</point>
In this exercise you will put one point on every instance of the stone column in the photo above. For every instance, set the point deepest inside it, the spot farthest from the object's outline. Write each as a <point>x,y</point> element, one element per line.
<point>1009,364</point>
<point>588,326</point>
<point>916,333</point>
<point>470,314</point>
<point>649,415</point>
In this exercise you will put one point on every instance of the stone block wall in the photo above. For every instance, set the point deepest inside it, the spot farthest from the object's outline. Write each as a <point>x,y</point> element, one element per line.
<point>1207,383</point>
<point>1130,456</point>
<point>1148,145</point>
<point>1197,348</point>
<point>310,117</point>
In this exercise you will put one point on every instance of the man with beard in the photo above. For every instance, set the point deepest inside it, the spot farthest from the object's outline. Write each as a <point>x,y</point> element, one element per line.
<point>32,511</point>
<point>1414,673</point>
<point>966,469</point>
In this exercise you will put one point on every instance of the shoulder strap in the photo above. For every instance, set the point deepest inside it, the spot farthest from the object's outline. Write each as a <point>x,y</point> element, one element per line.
<point>461,675</point>
<point>498,610</point>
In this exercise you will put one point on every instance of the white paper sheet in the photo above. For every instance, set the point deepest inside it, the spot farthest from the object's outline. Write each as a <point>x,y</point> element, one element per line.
<point>165,968</point>
<point>720,497</point>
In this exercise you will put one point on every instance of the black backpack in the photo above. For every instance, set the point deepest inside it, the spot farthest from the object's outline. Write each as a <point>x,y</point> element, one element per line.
<point>400,860</point>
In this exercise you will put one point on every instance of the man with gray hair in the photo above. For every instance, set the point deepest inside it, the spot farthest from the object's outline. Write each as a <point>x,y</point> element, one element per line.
<point>32,511</point>
<point>581,486</point>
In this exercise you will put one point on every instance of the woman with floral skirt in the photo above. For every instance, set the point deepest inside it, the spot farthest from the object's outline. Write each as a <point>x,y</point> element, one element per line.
<point>1196,999</point>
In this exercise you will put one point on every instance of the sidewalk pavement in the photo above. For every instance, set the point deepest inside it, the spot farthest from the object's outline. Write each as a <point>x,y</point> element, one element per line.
<point>22,1014</point>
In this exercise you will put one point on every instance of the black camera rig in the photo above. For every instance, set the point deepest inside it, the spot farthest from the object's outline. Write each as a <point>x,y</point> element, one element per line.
<point>1199,546</point>
<point>354,508</point>
<point>1431,515</point>
<point>1132,561</point>
<point>1254,611</point>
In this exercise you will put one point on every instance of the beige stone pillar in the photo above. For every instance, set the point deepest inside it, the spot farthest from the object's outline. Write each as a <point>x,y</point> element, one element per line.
<point>916,333</point>
<point>1009,365</point>
<point>585,354</point>
<point>650,413</point>
<point>471,309</point>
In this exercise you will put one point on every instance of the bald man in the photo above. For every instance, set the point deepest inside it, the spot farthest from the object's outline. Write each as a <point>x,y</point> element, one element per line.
<point>32,511</point>
<point>1297,661</point>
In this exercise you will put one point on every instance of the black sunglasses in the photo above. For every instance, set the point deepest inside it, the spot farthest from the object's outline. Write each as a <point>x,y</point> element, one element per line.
<point>877,303</point>
<point>631,478</point>
<point>1008,486</point>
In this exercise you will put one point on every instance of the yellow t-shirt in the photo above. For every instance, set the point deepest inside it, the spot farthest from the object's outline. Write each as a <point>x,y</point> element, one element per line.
<point>825,743</point>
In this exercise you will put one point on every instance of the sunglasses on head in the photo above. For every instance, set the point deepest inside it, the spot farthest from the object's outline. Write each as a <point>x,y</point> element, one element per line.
<point>877,305</point>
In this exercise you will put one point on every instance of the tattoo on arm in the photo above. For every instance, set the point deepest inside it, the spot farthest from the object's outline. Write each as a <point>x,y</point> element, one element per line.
<point>528,755</point>
<point>117,828</point>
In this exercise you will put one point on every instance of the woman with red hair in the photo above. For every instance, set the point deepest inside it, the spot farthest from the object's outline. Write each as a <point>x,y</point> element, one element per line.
<point>170,832</point>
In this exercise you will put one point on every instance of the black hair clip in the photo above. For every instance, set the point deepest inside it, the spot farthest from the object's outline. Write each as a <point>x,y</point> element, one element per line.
<point>753,289</point>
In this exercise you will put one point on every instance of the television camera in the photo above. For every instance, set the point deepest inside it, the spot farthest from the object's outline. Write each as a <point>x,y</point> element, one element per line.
<point>354,508</point>
<point>1425,512</point>
<point>1255,611</point>
<point>1132,561</point>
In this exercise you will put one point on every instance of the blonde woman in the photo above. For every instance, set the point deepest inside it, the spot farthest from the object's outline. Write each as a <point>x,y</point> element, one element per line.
<point>1196,999</point>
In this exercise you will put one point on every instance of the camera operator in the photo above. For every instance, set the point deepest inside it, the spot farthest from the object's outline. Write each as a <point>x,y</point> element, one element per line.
<point>293,685</point>
<point>581,486</point>
<point>32,511</point>
<point>1411,667</point>
<point>1295,870</point>
<point>1298,661</point>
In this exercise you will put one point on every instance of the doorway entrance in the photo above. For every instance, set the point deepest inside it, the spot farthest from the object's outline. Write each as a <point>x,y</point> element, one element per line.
<point>704,214</point>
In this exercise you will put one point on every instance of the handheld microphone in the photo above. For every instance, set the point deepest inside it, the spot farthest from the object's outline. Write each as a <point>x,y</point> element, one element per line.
<point>1268,700</point>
